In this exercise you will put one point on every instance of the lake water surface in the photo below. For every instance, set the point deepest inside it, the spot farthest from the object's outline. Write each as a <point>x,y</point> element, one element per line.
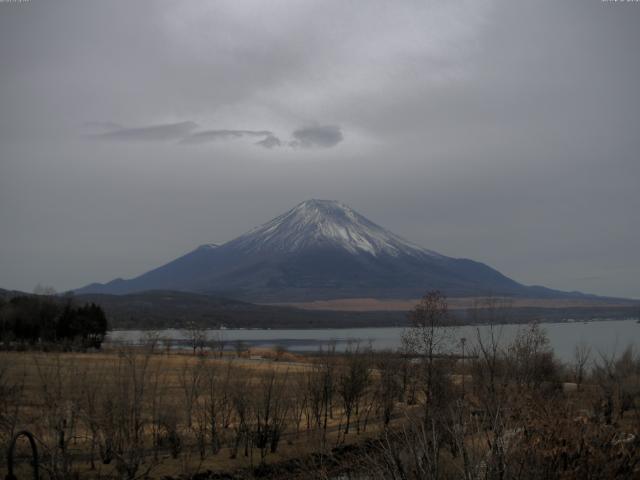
<point>607,337</point>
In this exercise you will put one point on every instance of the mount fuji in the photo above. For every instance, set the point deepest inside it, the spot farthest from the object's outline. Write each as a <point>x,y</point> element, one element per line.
<point>321,249</point>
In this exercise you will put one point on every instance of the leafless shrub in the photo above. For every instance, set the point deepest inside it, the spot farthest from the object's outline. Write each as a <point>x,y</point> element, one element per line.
<point>353,380</point>
<point>581,358</point>
<point>217,342</point>
<point>270,412</point>
<point>190,379</point>
<point>429,337</point>
<point>57,389</point>
<point>211,407</point>
<point>243,414</point>
<point>151,340</point>
<point>123,416</point>
<point>11,392</point>
<point>196,335</point>
<point>388,387</point>
<point>530,358</point>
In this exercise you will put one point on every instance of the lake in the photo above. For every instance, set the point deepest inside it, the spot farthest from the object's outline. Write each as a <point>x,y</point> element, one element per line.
<point>607,337</point>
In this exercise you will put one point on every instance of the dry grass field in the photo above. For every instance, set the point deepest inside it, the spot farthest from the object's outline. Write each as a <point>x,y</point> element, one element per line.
<point>180,413</point>
<point>499,413</point>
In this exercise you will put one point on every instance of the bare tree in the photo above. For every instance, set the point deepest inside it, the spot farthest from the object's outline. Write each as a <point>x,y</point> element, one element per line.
<point>429,337</point>
<point>217,342</point>
<point>91,391</point>
<point>628,371</point>
<point>158,405</point>
<point>60,419</point>
<point>353,380</point>
<point>123,416</point>
<point>388,388</point>
<point>321,386</point>
<point>581,357</point>
<point>270,412</point>
<point>327,388</point>
<point>411,453</point>
<point>280,351</point>
<point>530,357</point>
<point>490,380</point>
<point>167,343</point>
<point>12,386</point>
<point>196,335</point>
<point>315,391</point>
<point>243,414</point>
<point>619,380</point>
<point>240,348</point>
<point>300,400</point>
<point>190,379</point>
<point>151,340</point>
<point>215,404</point>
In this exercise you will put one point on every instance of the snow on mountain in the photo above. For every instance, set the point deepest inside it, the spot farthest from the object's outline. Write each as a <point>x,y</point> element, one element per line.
<point>208,246</point>
<point>325,223</point>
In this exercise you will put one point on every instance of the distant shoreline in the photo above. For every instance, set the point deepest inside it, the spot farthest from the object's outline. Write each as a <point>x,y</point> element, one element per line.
<point>156,310</point>
<point>455,303</point>
<point>457,324</point>
<point>339,320</point>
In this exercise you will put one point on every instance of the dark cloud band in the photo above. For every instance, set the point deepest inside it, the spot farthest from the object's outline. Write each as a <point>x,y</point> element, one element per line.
<point>152,133</point>
<point>325,136</point>
<point>216,135</point>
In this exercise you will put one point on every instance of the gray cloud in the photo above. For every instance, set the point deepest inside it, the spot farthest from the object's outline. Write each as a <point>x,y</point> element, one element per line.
<point>502,131</point>
<point>326,136</point>
<point>216,135</point>
<point>309,137</point>
<point>103,127</point>
<point>151,133</point>
<point>270,141</point>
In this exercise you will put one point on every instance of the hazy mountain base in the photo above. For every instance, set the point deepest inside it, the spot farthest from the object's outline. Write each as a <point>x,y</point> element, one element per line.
<point>152,310</point>
<point>171,309</point>
<point>458,303</point>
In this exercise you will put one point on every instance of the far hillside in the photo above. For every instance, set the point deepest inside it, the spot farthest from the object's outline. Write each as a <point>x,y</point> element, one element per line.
<point>170,309</point>
<point>159,309</point>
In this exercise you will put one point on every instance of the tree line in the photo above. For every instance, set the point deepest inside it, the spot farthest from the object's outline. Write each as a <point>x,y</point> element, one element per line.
<point>46,320</point>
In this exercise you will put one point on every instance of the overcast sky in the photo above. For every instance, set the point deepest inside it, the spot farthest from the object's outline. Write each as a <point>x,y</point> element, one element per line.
<point>503,131</point>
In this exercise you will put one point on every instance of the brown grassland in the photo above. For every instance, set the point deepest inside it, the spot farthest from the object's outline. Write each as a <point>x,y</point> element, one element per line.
<point>167,413</point>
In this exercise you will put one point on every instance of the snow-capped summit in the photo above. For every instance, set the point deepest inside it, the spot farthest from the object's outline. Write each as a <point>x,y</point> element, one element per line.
<point>320,249</point>
<point>325,223</point>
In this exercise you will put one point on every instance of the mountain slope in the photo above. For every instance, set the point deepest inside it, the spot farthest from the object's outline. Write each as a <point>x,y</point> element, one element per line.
<point>321,249</point>
<point>325,223</point>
